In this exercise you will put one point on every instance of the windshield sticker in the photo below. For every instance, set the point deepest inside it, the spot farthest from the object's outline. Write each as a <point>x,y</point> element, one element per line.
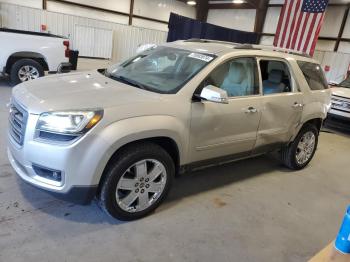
<point>201,57</point>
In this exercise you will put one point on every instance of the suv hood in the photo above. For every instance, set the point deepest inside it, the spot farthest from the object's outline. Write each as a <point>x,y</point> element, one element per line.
<point>341,91</point>
<point>76,91</point>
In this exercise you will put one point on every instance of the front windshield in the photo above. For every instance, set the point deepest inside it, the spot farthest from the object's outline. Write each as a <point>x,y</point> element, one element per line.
<point>345,83</point>
<point>161,69</point>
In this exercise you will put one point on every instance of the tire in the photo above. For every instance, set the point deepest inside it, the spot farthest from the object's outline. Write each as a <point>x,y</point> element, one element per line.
<point>289,153</point>
<point>112,199</point>
<point>35,70</point>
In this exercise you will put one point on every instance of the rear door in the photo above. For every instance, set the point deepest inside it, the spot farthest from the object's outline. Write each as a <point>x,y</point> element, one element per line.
<point>282,104</point>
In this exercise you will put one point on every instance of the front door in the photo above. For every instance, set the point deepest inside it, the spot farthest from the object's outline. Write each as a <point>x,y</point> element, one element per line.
<point>219,130</point>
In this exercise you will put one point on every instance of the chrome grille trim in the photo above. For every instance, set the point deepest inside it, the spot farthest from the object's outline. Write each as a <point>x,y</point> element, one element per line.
<point>340,103</point>
<point>340,97</point>
<point>17,122</point>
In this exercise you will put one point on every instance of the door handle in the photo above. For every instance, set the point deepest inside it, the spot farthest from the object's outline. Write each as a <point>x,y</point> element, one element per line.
<point>251,110</point>
<point>297,105</point>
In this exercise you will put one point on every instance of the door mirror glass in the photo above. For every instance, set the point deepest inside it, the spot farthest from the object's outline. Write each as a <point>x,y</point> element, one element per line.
<point>214,94</point>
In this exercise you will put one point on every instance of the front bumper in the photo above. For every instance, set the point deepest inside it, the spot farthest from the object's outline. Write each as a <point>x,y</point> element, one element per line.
<point>79,163</point>
<point>338,119</point>
<point>76,194</point>
<point>339,113</point>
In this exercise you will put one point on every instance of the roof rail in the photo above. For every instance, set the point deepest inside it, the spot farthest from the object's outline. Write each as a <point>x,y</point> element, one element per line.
<point>272,48</point>
<point>198,40</point>
<point>250,46</point>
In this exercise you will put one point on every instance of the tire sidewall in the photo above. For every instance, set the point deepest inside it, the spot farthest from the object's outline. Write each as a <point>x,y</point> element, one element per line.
<point>307,128</point>
<point>115,173</point>
<point>23,62</point>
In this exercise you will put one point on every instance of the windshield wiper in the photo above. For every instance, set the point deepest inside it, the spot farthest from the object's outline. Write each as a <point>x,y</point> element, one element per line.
<point>130,82</point>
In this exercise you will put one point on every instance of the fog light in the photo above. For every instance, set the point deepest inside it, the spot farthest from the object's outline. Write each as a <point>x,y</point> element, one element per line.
<point>50,174</point>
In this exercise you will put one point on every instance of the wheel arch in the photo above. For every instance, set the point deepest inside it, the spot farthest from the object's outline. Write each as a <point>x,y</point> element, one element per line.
<point>288,152</point>
<point>108,140</point>
<point>167,143</point>
<point>314,121</point>
<point>13,58</point>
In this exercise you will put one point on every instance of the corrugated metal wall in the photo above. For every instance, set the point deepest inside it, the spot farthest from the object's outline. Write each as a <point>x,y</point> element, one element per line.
<point>126,38</point>
<point>94,42</point>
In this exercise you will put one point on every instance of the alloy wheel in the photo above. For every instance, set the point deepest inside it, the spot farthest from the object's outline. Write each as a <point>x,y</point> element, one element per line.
<point>305,148</point>
<point>141,185</point>
<point>28,72</point>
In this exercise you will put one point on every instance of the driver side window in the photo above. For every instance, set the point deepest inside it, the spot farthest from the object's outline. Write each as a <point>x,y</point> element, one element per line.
<point>238,77</point>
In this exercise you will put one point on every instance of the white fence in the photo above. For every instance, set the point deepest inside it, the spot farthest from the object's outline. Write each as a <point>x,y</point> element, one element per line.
<point>126,38</point>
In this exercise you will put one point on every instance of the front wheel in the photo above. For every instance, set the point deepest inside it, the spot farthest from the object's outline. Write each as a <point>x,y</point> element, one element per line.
<point>301,151</point>
<point>137,182</point>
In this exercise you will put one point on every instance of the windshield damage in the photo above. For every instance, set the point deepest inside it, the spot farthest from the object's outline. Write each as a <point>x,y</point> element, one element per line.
<point>161,70</point>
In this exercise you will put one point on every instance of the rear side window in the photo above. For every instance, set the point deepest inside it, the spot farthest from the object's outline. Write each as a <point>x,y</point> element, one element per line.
<point>314,75</point>
<point>275,77</point>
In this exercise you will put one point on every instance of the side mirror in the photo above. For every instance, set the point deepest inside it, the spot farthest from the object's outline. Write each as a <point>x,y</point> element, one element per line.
<point>111,69</point>
<point>214,94</point>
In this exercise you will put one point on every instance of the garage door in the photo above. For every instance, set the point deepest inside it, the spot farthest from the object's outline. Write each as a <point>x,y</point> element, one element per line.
<point>93,42</point>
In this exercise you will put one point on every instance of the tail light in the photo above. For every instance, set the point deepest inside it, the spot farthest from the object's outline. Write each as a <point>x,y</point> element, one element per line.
<point>66,44</point>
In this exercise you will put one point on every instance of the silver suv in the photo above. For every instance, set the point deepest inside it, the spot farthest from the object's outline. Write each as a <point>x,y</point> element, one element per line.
<point>122,134</point>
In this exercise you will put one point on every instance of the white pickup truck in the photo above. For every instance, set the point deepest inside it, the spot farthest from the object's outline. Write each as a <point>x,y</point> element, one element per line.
<point>27,55</point>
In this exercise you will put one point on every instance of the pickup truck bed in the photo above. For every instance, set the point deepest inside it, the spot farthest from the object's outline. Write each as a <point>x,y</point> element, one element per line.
<point>25,55</point>
<point>8,30</point>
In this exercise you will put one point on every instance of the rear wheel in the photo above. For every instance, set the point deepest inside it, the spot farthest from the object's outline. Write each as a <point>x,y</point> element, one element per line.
<point>24,70</point>
<point>301,151</point>
<point>137,182</point>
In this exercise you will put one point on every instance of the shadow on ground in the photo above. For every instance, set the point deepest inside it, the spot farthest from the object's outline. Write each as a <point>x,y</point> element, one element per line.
<point>186,185</point>
<point>5,82</point>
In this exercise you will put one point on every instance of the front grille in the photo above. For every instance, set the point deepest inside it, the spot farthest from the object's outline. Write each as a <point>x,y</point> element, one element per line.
<point>340,103</point>
<point>18,122</point>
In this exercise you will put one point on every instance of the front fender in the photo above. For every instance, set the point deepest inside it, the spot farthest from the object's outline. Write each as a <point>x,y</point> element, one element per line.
<point>129,130</point>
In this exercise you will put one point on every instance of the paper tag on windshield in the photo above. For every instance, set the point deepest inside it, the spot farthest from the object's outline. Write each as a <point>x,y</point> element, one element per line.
<point>202,57</point>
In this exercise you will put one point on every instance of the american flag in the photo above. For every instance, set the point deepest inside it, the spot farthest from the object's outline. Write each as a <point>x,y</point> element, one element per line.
<point>300,24</point>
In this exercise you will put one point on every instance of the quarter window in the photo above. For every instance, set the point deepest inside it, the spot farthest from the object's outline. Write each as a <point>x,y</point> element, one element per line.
<point>239,77</point>
<point>314,75</point>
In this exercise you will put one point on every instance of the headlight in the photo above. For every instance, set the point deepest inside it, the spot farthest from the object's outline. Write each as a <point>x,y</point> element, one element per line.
<point>69,122</point>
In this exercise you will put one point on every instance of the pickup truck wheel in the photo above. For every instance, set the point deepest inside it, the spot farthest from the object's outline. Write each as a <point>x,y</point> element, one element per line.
<point>137,182</point>
<point>25,70</point>
<point>301,151</point>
